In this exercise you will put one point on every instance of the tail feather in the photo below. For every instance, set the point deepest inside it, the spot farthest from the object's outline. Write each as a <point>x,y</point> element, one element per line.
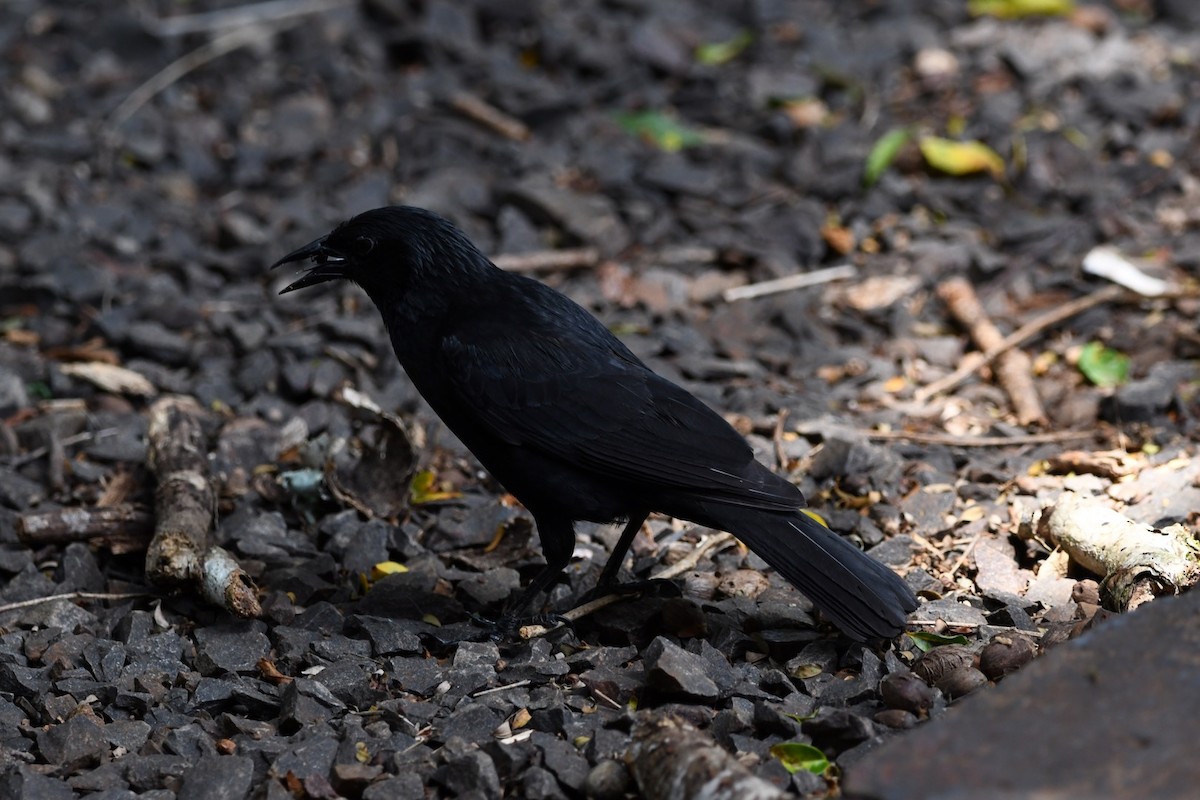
<point>862,596</point>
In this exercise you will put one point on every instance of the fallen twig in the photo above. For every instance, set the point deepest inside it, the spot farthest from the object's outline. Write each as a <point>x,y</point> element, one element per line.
<point>549,260</point>
<point>1137,562</point>
<point>486,114</point>
<point>790,283</point>
<point>14,462</point>
<point>671,760</point>
<point>683,254</point>
<point>505,687</point>
<point>781,459</point>
<point>1014,371</point>
<point>123,528</point>
<point>976,361</point>
<point>951,440</point>
<point>185,507</point>
<point>1114,464</point>
<point>239,16</point>
<point>966,626</point>
<point>37,601</point>
<point>210,51</point>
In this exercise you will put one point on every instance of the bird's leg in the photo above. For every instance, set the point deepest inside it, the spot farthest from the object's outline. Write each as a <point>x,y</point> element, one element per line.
<point>608,584</point>
<point>608,576</point>
<point>558,543</point>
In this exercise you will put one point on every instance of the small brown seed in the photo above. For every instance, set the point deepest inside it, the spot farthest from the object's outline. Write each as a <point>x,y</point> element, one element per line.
<point>940,661</point>
<point>1007,652</point>
<point>906,692</point>
<point>961,681</point>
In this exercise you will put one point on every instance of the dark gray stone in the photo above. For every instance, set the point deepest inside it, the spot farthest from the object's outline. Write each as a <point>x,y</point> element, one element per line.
<point>674,671</point>
<point>471,772</point>
<point>389,637</point>
<point>217,777</point>
<point>314,755</point>
<point>77,743</point>
<point>562,759</point>
<point>472,722</point>
<point>405,786</point>
<point>148,772</point>
<point>233,647</point>
<point>24,782</point>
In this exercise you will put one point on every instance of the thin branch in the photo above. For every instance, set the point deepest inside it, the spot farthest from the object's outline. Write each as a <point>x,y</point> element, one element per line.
<point>240,16</point>
<point>977,361</point>
<point>951,440</point>
<point>486,114</point>
<point>966,626</point>
<point>1014,369</point>
<point>790,283</point>
<point>223,44</point>
<point>549,260</point>
<point>35,454</point>
<point>506,686</point>
<point>37,601</point>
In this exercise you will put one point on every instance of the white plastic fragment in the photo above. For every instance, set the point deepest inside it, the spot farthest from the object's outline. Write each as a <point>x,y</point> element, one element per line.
<point>1106,262</point>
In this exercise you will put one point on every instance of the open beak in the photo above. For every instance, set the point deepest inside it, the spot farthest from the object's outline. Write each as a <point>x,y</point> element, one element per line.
<point>328,265</point>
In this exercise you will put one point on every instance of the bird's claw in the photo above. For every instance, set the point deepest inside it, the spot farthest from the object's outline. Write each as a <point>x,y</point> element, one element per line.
<point>651,587</point>
<point>508,627</point>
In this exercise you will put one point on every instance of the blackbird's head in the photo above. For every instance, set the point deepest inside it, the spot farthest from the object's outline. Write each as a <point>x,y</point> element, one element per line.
<point>386,249</point>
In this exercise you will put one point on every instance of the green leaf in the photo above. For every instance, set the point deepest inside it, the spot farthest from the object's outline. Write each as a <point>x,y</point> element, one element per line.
<point>1103,366</point>
<point>661,130</point>
<point>39,390</point>
<point>1015,9</point>
<point>884,153</point>
<point>926,640</point>
<point>961,158</point>
<point>717,53</point>
<point>796,756</point>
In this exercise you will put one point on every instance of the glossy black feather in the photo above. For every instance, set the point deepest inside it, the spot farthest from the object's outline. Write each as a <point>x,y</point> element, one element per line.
<point>572,422</point>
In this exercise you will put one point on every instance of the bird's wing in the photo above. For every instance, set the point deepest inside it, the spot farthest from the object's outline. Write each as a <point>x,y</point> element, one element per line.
<point>592,404</point>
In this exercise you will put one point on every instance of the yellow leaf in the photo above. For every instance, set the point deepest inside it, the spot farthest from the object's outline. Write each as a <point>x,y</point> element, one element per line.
<point>961,158</point>
<point>497,538</point>
<point>421,489</point>
<point>384,568</point>
<point>361,754</point>
<point>1015,9</point>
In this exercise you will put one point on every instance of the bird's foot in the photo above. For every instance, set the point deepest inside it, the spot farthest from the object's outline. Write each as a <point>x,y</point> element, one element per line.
<point>508,627</point>
<point>652,587</point>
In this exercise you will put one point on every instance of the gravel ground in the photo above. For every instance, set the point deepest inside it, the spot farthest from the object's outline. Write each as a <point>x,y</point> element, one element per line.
<point>657,161</point>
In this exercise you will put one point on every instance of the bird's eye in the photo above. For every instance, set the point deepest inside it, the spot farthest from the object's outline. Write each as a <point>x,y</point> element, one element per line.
<point>363,245</point>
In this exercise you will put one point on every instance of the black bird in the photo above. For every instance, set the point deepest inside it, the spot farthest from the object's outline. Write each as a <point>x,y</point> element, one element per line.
<point>573,424</point>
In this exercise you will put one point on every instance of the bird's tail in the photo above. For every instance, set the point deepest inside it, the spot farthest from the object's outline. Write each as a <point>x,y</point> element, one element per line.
<point>862,596</point>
